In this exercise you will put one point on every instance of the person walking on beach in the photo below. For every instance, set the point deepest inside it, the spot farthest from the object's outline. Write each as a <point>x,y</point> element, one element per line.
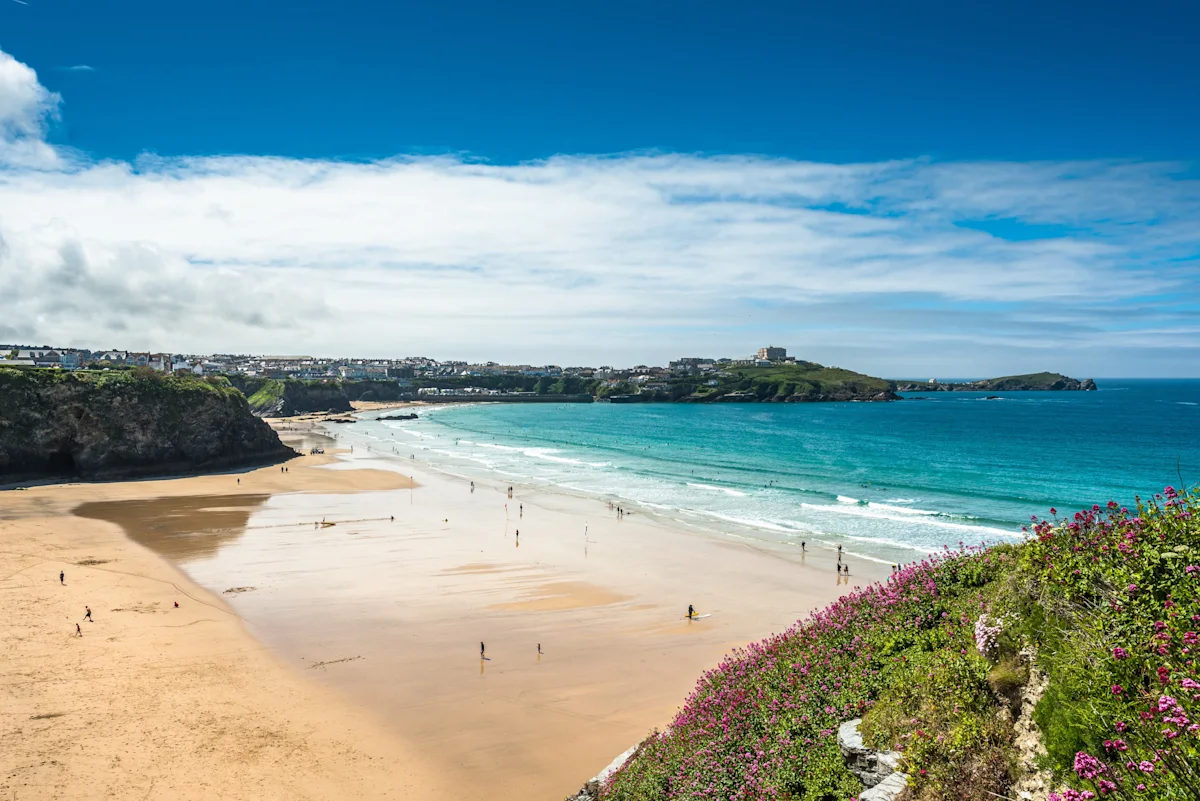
<point>691,611</point>
<point>481,650</point>
<point>803,546</point>
<point>539,649</point>
<point>78,631</point>
<point>62,577</point>
<point>88,615</point>
<point>522,509</point>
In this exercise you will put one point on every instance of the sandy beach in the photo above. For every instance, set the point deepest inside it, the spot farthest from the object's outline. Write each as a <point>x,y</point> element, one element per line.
<point>311,661</point>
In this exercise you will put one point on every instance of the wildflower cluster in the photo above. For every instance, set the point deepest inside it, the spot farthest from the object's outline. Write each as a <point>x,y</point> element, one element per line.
<point>987,633</point>
<point>763,724</point>
<point>1114,595</point>
<point>1109,598</point>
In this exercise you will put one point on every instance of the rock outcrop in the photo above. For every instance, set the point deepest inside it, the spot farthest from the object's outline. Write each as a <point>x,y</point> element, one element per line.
<point>1035,783</point>
<point>114,424</point>
<point>879,771</point>
<point>1033,382</point>
<point>591,790</point>
<point>285,397</point>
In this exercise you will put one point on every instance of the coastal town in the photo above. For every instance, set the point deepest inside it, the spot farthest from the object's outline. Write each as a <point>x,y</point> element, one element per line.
<point>402,371</point>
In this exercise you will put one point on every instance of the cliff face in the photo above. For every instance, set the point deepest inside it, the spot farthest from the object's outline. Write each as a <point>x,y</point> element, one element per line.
<point>105,425</point>
<point>275,397</point>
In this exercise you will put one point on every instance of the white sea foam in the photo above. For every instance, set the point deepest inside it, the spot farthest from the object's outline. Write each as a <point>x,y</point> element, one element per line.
<point>846,499</point>
<point>726,490</point>
<point>902,509</point>
<point>867,511</point>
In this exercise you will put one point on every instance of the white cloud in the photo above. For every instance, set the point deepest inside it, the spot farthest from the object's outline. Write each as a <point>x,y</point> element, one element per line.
<point>581,258</point>
<point>25,108</point>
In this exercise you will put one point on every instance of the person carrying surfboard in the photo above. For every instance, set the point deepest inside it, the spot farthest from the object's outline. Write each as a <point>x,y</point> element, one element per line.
<point>691,611</point>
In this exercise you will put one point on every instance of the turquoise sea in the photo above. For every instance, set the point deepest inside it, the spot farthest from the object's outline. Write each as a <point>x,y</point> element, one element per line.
<point>889,481</point>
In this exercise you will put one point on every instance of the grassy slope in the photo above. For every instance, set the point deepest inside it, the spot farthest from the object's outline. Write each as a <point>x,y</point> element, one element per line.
<point>1111,600</point>
<point>16,379</point>
<point>266,396</point>
<point>1034,380</point>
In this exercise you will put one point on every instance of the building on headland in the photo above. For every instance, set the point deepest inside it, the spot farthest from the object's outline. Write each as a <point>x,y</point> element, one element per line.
<point>771,354</point>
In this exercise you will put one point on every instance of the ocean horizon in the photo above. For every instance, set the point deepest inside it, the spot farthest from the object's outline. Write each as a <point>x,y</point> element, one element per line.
<point>891,482</point>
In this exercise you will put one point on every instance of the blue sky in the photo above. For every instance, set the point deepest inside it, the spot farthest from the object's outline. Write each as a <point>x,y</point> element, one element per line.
<point>854,81</point>
<point>903,188</point>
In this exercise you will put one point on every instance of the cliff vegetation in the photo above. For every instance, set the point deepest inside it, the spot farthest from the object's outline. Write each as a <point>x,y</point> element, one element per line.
<point>1104,605</point>
<point>100,424</point>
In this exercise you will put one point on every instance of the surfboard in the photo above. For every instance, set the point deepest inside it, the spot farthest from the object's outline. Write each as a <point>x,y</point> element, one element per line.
<point>697,617</point>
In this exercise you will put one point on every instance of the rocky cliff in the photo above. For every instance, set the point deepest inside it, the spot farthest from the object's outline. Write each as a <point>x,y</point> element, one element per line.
<point>112,424</point>
<point>275,397</point>
<point>1031,382</point>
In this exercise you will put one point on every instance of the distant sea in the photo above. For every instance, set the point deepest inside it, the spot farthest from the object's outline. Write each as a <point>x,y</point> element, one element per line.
<point>889,481</point>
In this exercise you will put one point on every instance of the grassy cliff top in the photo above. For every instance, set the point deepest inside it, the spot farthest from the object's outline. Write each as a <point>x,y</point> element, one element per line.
<point>15,379</point>
<point>812,373</point>
<point>1033,380</point>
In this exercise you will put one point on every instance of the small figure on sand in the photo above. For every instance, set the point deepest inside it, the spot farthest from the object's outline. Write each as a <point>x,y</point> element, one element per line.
<point>518,533</point>
<point>803,546</point>
<point>88,614</point>
<point>691,611</point>
<point>482,650</point>
<point>62,577</point>
<point>522,509</point>
<point>472,486</point>
<point>177,604</point>
<point>539,649</point>
<point>78,631</point>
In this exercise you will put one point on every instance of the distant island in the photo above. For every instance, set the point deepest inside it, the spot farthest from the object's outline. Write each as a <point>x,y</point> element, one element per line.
<point>1031,382</point>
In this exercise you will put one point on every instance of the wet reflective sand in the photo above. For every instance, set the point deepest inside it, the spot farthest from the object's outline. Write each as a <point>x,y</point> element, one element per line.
<point>392,613</point>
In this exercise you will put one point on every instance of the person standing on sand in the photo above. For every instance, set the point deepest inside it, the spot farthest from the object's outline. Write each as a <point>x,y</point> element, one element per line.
<point>481,650</point>
<point>78,631</point>
<point>803,546</point>
<point>539,649</point>
<point>62,577</point>
<point>88,615</point>
<point>691,611</point>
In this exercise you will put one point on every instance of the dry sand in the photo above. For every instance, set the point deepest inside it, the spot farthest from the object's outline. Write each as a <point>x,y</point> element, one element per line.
<point>371,684</point>
<point>158,702</point>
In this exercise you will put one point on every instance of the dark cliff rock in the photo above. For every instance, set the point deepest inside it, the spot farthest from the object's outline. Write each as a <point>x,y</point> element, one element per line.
<point>285,397</point>
<point>114,424</point>
<point>1032,382</point>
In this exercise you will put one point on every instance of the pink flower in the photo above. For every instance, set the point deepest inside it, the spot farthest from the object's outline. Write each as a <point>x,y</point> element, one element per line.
<point>1120,653</point>
<point>1146,767</point>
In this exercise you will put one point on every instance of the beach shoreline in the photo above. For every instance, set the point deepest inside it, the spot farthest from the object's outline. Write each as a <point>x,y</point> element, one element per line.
<point>452,727</point>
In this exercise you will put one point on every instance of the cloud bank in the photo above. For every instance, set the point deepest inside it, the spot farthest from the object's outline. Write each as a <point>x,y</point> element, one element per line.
<point>900,268</point>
